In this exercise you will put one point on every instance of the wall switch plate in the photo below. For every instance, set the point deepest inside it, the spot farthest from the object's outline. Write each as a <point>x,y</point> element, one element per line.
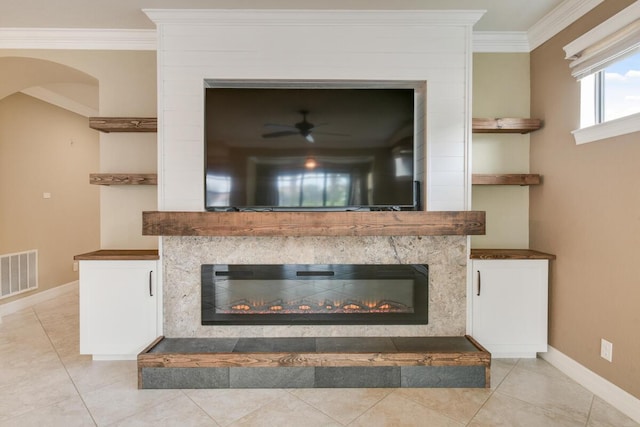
<point>606,350</point>
<point>75,266</point>
<point>46,195</point>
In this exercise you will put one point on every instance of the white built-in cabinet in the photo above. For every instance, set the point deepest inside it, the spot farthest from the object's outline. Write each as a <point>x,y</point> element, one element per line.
<point>509,306</point>
<point>118,307</point>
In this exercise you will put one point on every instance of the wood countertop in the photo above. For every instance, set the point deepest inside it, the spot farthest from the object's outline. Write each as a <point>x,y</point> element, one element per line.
<point>119,255</point>
<point>509,254</point>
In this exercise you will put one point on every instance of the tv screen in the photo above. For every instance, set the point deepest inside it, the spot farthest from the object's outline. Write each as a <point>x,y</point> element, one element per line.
<point>278,148</point>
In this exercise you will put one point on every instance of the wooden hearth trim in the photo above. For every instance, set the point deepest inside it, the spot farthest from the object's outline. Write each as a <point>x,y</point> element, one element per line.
<point>487,372</point>
<point>274,360</point>
<point>257,359</point>
<point>411,223</point>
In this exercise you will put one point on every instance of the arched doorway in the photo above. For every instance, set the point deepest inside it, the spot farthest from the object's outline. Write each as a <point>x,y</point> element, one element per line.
<point>46,154</point>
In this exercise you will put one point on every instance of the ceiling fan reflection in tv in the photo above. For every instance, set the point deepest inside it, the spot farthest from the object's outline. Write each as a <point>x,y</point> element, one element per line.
<point>303,128</point>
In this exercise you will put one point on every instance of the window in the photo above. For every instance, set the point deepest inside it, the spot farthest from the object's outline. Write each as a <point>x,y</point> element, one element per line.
<point>611,93</point>
<point>218,190</point>
<point>310,189</point>
<point>606,60</point>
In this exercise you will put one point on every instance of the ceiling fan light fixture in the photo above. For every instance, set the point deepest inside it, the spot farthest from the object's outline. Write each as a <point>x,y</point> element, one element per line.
<point>310,163</point>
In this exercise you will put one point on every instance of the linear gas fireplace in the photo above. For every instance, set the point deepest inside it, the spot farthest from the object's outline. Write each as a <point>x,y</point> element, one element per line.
<point>314,294</point>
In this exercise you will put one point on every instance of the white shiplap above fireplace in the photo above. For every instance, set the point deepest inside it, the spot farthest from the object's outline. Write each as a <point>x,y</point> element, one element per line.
<point>430,46</point>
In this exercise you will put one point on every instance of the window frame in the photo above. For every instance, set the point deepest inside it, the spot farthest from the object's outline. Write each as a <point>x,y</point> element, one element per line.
<point>595,49</point>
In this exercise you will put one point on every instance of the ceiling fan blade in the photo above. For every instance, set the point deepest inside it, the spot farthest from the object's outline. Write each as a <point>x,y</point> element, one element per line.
<point>279,134</point>
<point>331,133</point>
<point>275,125</point>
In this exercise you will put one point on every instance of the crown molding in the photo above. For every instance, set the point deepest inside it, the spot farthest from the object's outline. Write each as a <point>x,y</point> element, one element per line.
<point>122,39</point>
<point>112,39</point>
<point>313,17</point>
<point>77,38</point>
<point>500,41</point>
<point>565,14</point>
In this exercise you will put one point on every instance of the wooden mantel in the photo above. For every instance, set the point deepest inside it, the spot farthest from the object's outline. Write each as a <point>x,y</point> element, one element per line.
<point>410,223</point>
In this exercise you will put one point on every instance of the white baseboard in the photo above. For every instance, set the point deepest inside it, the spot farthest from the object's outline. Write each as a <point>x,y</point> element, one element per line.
<point>605,390</point>
<point>108,357</point>
<point>31,300</point>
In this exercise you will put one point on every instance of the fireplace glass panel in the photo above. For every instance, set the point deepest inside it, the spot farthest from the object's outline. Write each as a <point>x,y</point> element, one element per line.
<point>313,294</point>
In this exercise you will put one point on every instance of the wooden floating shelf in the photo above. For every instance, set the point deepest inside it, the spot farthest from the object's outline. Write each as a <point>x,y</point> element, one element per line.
<point>123,179</point>
<point>509,254</point>
<point>506,125</point>
<point>505,179</point>
<point>124,124</point>
<point>119,255</point>
<point>412,223</point>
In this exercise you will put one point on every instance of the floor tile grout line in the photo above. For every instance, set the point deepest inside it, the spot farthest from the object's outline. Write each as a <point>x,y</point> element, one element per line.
<point>593,399</point>
<point>370,409</point>
<point>395,391</point>
<point>550,378</point>
<point>312,406</point>
<point>147,408</point>
<point>542,408</point>
<point>492,393</point>
<point>35,311</point>
<point>201,408</point>
<point>255,410</point>
<point>430,409</point>
<point>244,416</point>
<point>449,388</point>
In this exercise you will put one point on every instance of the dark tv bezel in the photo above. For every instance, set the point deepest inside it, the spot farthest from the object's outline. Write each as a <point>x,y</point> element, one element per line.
<point>416,86</point>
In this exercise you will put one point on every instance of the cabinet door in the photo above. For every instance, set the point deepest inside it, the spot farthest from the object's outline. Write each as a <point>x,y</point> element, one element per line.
<point>510,306</point>
<point>118,306</point>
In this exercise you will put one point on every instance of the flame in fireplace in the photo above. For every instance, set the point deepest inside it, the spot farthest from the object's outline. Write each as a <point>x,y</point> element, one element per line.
<point>293,307</point>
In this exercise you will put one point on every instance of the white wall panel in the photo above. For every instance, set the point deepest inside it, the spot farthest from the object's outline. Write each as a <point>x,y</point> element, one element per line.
<point>177,118</point>
<point>447,148</point>
<point>445,164</point>
<point>272,38</point>
<point>428,46</point>
<point>448,179</point>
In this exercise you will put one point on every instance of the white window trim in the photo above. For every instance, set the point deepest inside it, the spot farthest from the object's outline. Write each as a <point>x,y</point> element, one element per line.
<point>608,129</point>
<point>602,31</point>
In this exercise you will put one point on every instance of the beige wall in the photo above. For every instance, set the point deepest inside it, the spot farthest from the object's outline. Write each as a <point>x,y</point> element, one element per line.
<point>127,87</point>
<point>44,149</point>
<point>501,89</point>
<point>587,213</point>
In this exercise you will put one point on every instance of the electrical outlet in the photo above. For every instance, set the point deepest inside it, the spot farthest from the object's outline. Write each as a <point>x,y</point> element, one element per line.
<point>75,266</point>
<point>606,350</point>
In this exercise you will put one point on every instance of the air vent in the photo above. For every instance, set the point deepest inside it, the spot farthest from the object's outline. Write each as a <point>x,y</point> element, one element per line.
<point>18,273</point>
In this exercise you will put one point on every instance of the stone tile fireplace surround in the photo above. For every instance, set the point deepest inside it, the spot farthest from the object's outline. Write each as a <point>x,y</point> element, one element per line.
<point>446,256</point>
<point>430,46</point>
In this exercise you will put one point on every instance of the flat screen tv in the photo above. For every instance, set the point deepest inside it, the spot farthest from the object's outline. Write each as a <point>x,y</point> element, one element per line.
<point>309,147</point>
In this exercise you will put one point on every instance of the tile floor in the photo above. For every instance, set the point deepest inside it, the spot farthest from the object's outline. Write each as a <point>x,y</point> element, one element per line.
<point>45,382</point>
